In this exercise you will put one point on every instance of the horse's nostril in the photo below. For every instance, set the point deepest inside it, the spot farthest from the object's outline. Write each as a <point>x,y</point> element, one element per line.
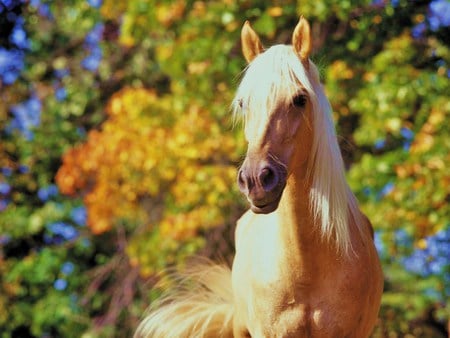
<point>268,178</point>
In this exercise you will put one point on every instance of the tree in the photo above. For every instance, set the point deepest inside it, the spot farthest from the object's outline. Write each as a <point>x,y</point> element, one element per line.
<point>118,156</point>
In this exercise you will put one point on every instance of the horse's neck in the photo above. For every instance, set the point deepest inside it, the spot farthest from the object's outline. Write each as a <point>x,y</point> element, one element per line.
<point>299,231</point>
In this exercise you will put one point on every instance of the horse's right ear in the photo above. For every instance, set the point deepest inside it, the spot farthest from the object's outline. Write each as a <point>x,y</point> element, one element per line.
<point>251,45</point>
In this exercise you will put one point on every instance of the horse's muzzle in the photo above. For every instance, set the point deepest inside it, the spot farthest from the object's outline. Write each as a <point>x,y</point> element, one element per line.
<point>263,183</point>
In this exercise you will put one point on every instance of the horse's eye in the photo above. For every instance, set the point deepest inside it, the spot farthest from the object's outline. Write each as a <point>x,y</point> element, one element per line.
<point>299,101</point>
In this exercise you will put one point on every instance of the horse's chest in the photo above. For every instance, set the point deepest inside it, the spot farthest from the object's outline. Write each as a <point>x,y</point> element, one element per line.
<point>277,298</point>
<point>278,308</point>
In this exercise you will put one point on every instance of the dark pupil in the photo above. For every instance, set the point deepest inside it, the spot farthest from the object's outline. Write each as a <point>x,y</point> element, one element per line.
<point>299,101</point>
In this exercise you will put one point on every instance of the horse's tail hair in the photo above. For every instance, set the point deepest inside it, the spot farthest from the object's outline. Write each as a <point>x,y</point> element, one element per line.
<point>200,306</point>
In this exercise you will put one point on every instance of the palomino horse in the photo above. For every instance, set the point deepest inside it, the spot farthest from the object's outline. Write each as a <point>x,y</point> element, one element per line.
<point>305,263</point>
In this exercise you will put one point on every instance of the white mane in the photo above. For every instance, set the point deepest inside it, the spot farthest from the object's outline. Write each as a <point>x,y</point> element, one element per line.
<point>276,75</point>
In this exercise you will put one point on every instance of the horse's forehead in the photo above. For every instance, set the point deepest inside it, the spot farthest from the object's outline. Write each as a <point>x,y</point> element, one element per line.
<point>274,75</point>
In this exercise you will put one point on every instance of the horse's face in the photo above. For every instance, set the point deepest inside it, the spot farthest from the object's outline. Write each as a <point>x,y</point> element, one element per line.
<point>279,133</point>
<point>277,144</point>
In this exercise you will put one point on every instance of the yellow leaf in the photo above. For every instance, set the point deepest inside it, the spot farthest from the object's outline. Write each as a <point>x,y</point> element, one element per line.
<point>436,117</point>
<point>393,124</point>
<point>197,68</point>
<point>340,70</point>
<point>422,143</point>
<point>422,243</point>
<point>275,11</point>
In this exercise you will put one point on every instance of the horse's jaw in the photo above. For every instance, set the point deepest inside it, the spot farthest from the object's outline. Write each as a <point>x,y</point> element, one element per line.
<point>265,208</point>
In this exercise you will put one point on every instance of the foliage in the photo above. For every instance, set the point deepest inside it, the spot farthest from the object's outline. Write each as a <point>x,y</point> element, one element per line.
<point>149,153</point>
<point>118,156</point>
<point>404,172</point>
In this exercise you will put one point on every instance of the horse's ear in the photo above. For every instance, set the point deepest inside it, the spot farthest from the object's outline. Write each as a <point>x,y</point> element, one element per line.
<point>301,39</point>
<point>251,45</point>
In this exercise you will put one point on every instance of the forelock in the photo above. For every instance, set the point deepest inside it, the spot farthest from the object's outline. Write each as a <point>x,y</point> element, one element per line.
<point>273,77</point>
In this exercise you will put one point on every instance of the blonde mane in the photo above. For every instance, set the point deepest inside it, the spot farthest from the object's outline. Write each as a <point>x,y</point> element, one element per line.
<point>277,74</point>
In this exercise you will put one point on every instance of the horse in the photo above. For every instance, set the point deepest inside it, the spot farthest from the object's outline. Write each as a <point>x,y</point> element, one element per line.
<point>305,262</point>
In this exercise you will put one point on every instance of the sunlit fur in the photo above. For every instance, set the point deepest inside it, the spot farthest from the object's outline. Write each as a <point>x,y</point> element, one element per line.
<point>278,75</point>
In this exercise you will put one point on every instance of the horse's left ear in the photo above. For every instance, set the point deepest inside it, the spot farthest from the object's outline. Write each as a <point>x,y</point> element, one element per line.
<point>301,40</point>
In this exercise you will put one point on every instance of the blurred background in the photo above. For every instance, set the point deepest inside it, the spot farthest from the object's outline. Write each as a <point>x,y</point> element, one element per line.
<point>118,154</point>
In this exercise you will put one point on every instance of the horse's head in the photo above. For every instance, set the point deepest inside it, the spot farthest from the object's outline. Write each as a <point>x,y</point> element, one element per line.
<point>274,99</point>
